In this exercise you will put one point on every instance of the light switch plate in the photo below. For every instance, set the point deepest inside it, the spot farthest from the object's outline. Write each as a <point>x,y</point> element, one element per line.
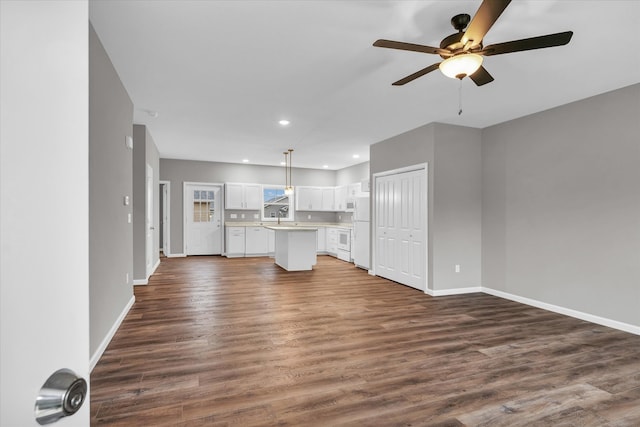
<point>128,142</point>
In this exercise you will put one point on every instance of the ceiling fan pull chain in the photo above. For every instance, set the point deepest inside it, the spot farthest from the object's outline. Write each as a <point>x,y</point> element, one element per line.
<point>460,98</point>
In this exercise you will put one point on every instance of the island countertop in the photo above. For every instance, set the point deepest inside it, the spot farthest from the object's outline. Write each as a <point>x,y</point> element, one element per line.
<point>290,228</point>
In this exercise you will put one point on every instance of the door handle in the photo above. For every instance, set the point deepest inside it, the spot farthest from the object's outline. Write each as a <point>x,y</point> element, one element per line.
<point>61,395</point>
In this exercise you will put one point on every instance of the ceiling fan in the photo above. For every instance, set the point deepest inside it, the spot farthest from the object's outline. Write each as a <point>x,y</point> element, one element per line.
<point>463,51</point>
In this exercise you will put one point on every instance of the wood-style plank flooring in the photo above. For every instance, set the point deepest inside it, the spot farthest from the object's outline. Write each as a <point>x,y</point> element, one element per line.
<point>239,342</point>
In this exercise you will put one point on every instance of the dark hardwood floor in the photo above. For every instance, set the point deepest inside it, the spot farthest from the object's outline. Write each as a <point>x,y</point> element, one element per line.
<point>239,342</point>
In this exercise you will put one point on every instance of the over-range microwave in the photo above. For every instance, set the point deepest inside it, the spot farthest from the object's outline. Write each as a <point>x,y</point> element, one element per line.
<point>350,205</point>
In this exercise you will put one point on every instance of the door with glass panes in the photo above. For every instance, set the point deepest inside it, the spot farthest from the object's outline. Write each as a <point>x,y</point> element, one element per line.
<point>203,222</point>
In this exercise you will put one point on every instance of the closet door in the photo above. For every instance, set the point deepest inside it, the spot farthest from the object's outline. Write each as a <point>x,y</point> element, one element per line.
<point>385,228</point>
<point>401,220</point>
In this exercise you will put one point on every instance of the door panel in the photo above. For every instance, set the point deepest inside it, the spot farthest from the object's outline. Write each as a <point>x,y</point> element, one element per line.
<point>44,293</point>
<point>150,226</point>
<point>203,219</point>
<point>401,221</point>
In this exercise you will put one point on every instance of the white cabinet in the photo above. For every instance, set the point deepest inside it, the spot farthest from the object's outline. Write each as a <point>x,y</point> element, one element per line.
<point>341,198</point>
<point>243,196</point>
<point>354,190</point>
<point>328,198</point>
<point>256,241</point>
<point>235,241</point>
<point>322,240</point>
<point>315,199</point>
<point>309,198</point>
<point>332,241</point>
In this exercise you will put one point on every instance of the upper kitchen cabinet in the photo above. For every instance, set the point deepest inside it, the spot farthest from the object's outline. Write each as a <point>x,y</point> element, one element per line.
<point>243,196</point>
<point>315,199</point>
<point>354,190</point>
<point>341,198</point>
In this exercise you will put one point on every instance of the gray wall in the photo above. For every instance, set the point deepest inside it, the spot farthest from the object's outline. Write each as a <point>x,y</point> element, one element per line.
<point>352,174</point>
<point>561,206</point>
<point>110,166</point>
<point>144,152</point>
<point>457,207</point>
<point>180,171</point>
<point>453,154</point>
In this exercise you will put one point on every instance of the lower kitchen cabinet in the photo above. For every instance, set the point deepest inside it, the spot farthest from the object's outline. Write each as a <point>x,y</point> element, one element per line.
<point>256,241</point>
<point>332,241</point>
<point>235,241</point>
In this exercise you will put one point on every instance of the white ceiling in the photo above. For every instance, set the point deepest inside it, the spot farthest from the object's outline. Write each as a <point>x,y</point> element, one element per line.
<point>221,74</point>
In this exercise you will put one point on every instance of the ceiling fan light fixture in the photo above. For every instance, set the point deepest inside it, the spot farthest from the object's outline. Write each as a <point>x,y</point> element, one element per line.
<point>460,66</point>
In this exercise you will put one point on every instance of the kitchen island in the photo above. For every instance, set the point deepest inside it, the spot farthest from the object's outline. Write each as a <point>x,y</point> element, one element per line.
<point>295,247</point>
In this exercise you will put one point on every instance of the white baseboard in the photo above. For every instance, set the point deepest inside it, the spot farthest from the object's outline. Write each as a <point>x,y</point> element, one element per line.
<point>454,291</point>
<point>175,255</point>
<point>626,327</point>
<point>107,339</point>
<point>146,281</point>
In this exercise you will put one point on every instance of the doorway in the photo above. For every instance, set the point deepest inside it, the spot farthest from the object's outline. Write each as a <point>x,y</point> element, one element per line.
<point>400,218</point>
<point>203,206</point>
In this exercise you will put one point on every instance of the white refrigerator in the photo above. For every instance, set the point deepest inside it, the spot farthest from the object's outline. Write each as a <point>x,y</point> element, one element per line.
<point>361,240</point>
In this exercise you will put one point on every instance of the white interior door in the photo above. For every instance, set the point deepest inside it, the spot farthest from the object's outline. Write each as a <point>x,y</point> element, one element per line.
<point>401,221</point>
<point>149,221</point>
<point>203,220</point>
<point>44,294</point>
<point>164,215</point>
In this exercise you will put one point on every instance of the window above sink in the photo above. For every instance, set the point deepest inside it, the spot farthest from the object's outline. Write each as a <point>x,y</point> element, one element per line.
<point>276,204</point>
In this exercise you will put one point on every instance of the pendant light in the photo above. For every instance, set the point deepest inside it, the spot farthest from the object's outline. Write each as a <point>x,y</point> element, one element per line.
<point>288,182</point>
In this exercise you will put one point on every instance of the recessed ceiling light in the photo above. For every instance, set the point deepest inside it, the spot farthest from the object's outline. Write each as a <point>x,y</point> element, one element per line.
<point>284,122</point>
<point>356,156</point>
<point>245,160</point>
<point>325,166</point>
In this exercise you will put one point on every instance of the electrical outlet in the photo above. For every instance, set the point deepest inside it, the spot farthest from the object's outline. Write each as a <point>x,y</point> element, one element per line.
<point>126,278</point>
<point>457,268</point>
<point>339,217</point>
<point>256,216</point>
<point>309,216</point>
<point>233,216</point>
<point>129,218</point>
<point>242,216</point>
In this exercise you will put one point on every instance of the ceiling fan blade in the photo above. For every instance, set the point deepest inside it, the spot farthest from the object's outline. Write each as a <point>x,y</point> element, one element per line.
<point>410,46</point>
<point>417,74</point>
<point>481,77</point>
<point>550,40</point>
<point>485,17</point>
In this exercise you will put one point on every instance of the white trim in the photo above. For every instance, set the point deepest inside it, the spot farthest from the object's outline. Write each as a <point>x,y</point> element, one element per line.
<point>176,255</point>
<point>626,327</point>
<point>454,291</point>
<point>167,203</point>
<point>146,281</point>
<point>107,339</point>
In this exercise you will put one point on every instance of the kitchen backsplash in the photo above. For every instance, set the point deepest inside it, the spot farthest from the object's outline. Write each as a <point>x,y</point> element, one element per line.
<point>254,216</point>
